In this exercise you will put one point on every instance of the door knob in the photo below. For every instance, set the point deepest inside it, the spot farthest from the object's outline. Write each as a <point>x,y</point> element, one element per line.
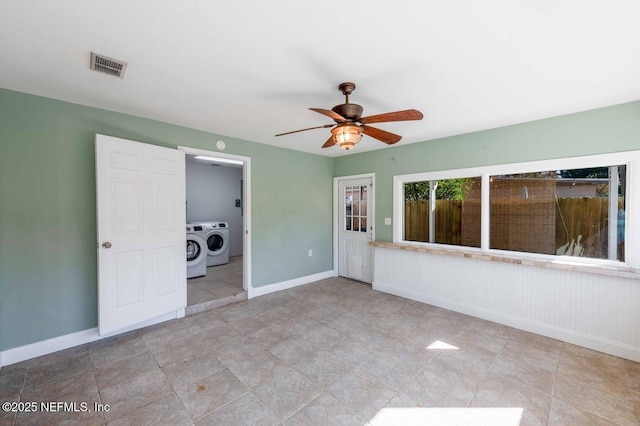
<point>106,245</point>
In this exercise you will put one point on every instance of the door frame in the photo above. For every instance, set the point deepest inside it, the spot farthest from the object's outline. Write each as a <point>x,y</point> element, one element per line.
<point>371,205</point>
<point>246,218</point>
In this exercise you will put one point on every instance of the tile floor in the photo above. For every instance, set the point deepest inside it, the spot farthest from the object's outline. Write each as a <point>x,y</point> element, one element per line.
<point>332,352</point>
<point>221,281</point>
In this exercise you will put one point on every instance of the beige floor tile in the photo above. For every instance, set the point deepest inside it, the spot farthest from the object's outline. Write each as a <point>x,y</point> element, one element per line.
<point>399,323</point>
<point>209,394</point>
<point>324,336</point>
<point>294,349</point>
<point>389,370</point>
<point>258,368</point>
<point>633,380</point>
<point>361,394</point>
<point>599,370</point>
<point>127,397</point>
<point>205,321</point>
<point>470,362</point>
<point>159,335</point>
<point>528,353</point>
<point>475,338</point>
<point>325,410</point>
<point>566,415</point>
<point>273,316</point>
<point>497,391</point>
<point>326,314</point>
<point>113,373</point>
<point>440,386</point>
<point>73,414</point>
<point>184,373</point>
<point>184,348</point>
<point>537,341</point>
<point>246,410</point>
<point>615,408</point>
<point>219,336</point>
<point>415,352</point>
<point>286,393</point>
<point>324,369</point>
<point>12,381</point>
<point>351,351</point>
<point>374,337</point>
<point>117,348</point>
<point>270,335</point>
<point>235,351</point>
<point>52,359</point>
<point>80,387</point>
<point>58,371</point>
<point>523,372</point>
<point>165,411</point>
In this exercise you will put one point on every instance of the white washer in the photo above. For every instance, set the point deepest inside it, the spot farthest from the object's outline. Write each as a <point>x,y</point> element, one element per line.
<point>196,251</point>
<point>217,238</point>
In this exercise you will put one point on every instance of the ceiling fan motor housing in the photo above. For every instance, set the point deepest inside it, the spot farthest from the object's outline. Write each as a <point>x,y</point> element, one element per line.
<point>351,112</point>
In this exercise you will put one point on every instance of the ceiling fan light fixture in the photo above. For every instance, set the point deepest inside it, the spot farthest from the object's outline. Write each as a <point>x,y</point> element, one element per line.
<point>347,135</point>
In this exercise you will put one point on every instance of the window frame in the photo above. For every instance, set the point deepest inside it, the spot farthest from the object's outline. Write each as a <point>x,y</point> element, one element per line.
<point>631,159</point>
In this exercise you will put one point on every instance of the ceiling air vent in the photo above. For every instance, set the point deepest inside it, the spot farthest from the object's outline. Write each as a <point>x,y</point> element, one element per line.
<point>108,65</point>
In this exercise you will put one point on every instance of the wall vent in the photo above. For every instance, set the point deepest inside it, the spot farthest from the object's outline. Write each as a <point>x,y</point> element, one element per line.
<point>108,65</point>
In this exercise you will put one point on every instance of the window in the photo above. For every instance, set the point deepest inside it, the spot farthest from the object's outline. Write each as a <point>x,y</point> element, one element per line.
<point>355,208</point>
<point>445,211</point>
<point>574,212</point>
<point>575,207</point>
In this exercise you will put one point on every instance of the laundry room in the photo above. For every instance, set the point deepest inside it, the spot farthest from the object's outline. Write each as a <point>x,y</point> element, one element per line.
<point>214,212</point>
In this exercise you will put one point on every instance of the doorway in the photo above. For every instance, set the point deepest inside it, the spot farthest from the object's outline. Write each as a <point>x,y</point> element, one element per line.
<point>354,226</point>
<point>217,210</point>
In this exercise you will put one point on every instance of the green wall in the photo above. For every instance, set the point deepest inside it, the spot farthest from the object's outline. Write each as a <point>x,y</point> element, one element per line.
<point>611,129</point>
<point>48,261</point>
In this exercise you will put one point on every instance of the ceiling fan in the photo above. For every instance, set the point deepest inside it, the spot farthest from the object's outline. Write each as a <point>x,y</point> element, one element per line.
<point>350,125</point>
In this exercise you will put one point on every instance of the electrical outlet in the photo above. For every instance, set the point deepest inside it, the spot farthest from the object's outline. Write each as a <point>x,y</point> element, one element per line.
<point>310,252</point>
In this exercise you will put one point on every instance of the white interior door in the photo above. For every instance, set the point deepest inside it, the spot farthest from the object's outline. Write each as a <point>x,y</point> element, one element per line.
<point>142,272</point>
<point>355,228</point>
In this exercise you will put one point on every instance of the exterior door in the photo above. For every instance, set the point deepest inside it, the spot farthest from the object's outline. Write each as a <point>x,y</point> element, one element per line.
<point>140,191</point>
<point>355,228</point>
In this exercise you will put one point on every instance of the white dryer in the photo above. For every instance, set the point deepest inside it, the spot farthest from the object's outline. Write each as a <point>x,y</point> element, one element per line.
<point>196,251</point>
<point>217,237</point>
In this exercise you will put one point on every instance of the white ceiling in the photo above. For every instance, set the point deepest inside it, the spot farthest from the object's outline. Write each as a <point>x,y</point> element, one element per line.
<point>251,68</point>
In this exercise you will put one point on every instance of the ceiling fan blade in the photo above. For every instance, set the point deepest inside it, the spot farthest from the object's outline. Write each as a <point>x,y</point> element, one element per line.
<point>326,126</point>
<point>331,114</point>
<point>406,115</point>
<point>330,142</point>
<point>382,135</point>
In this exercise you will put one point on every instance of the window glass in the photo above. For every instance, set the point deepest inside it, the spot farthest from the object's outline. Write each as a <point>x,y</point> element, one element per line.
<point>573,212</point>
<point>453,218</point>
<point>356,208</point>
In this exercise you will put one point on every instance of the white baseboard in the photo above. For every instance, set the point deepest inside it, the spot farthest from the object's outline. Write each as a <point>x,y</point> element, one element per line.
<point>44,347</point>
<point>548,330</point>
<point>272,288</point>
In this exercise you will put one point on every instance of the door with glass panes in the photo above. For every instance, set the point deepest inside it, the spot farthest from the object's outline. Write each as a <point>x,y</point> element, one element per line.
<point>355,229</point>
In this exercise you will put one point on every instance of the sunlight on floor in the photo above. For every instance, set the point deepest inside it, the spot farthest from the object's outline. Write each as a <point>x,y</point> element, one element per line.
<point>438,345</point>
<point>409,416</point>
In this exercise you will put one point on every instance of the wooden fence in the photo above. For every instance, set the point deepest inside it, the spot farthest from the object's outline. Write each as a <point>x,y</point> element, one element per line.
<point>529,225</point>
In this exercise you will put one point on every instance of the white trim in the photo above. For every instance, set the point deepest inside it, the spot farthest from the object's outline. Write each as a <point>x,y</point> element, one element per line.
<point>336,212</point>
<point>55,344</point>
<point>284,285</point>
<point>246,208</point>
<point>631,159</point>
<point>559,333</point>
